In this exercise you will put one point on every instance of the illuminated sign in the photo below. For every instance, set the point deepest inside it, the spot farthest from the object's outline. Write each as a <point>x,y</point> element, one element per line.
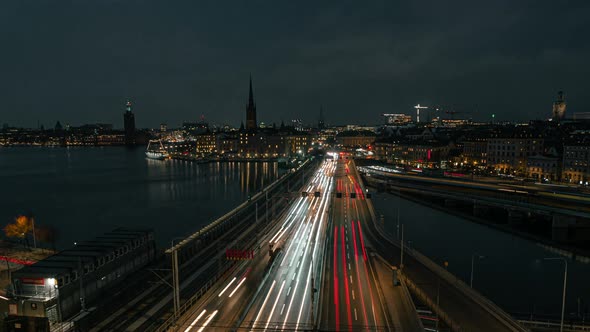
<point>33,281</point>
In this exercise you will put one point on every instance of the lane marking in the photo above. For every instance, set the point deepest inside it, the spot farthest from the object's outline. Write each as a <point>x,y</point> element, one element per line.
<point>355,317</point>
<point>289,291</point>
<point>283,308</point>
<point>353,295</point>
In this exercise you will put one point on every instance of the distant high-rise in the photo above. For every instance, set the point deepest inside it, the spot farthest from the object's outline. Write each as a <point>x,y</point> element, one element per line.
<point>129,122</point>
<point>251,123</point>
<point>321,124</point>
<point>559,107</point>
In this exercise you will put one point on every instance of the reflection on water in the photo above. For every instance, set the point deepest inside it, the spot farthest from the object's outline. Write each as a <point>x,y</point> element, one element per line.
<point>512,273</point>
<point>87,191</point>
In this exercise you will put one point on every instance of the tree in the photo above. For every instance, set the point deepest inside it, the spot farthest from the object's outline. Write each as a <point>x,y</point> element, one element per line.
<point>21,227</point>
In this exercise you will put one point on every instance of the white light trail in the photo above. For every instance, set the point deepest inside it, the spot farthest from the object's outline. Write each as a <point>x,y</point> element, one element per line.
<point>274,305</point>
<point>226,287</point>
<point>238,286</point>
<point>264,303</point>
<point>208,321</point>
<point>195,321</point>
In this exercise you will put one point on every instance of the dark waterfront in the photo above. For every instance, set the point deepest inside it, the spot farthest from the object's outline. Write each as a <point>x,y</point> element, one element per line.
<point>512,274</point>
<point>87,191</point>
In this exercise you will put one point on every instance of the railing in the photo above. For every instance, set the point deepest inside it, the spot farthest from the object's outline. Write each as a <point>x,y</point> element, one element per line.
<point>554,326</point>
<point>237,209</point>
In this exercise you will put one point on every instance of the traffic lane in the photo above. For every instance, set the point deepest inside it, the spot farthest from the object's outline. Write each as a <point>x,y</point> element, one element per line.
<point>294,271</point>
<point>398,305</point>
<point>373,316</point>
<point>460,308</point>
<point>231,297</point>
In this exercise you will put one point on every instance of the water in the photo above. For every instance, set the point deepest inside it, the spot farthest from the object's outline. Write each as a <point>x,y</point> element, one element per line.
<point>84,192</point>
<point>513,273</point>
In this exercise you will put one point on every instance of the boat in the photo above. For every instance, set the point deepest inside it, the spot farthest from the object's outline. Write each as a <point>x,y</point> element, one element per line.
<point>158,152</point>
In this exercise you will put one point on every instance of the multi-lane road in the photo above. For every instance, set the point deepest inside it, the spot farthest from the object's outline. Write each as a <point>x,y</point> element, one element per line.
<point>274,293</point>
<point>320,273</point>
<point>351,300</point>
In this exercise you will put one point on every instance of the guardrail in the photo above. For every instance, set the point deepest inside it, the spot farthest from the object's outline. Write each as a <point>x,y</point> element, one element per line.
<point>251,244</point>
<point>485,303</point>
<point>554,326</point>
<point>237,209</point>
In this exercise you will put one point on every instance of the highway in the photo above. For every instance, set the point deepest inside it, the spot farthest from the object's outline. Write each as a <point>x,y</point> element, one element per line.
<point>273,293</point>
<point>351,300</point>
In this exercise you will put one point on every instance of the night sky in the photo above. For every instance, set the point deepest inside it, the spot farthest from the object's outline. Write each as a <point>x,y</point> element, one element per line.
<point>78,61</point>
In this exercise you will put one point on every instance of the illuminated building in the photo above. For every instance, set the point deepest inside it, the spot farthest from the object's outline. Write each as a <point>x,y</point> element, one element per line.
<point>397,119</point>
<point>576,160</point>
<point>508,152</point>
<point>559,107</point>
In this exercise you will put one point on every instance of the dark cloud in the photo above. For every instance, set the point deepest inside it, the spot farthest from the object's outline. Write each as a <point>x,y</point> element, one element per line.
<point>77,61</point>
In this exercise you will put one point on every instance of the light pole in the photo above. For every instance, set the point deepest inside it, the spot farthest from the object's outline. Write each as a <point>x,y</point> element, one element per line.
<point>564,288</point>
<point>473,256</point>
<point>401,263</point>
<point>175,278</point>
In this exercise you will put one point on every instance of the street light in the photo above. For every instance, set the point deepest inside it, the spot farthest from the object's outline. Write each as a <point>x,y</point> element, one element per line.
<point>564,288</point>
<point>473,256</point>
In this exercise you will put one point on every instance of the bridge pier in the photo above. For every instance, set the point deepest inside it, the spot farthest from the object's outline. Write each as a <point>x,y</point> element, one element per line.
<point>515,217</point>
<point>560,228</point>
<point>480,210</point>
<point>450,203</point>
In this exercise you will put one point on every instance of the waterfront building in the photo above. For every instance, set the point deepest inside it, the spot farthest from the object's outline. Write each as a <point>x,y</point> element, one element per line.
<point>129,124</point>
<point>509,150</point>
<point>544,167</point>
<point>205,143</point>
<point>58,287</point>
<point>576,159</point>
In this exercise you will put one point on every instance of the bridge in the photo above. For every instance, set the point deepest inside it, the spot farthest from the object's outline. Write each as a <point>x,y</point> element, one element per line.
<point>305,254</point>
<point>567,213</point>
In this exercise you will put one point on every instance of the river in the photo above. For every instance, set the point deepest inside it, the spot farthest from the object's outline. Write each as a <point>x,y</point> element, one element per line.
<point>512,272</point>
<point>84,192</point>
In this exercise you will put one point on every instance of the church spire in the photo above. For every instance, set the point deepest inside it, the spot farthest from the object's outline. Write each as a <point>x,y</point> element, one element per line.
<point>251,95</point>
<point>251,123</point>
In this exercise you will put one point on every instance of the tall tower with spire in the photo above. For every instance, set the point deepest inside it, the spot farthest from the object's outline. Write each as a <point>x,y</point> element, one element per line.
<point>559,107</point>
<point>251,123</point>
<point>129,124</point>
<point>321,124</point>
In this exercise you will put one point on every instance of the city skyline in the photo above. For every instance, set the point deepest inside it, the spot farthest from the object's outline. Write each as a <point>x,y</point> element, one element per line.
<point>357,62</point>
